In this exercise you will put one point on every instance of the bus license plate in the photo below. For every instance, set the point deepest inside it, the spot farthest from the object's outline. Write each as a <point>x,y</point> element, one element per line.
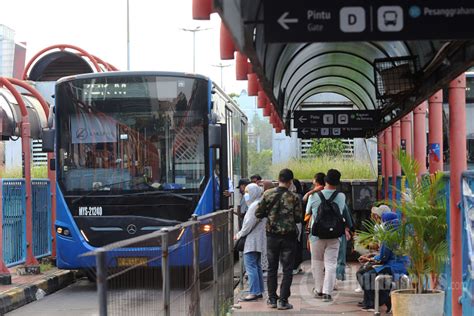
<point>132,261</point>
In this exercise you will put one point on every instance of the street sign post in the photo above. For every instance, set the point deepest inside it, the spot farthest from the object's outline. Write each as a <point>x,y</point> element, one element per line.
<point>336,118</point>
<point>333,132</point>
<point>361,20</point>
<point>335,123</point>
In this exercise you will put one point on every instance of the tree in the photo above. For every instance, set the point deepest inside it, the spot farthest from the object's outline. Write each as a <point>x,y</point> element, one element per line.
<point>260,162</point>
<point>327,147</point>
<point>262,130</point>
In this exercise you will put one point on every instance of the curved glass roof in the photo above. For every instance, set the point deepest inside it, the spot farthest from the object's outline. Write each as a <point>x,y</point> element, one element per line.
<point>292,72</point>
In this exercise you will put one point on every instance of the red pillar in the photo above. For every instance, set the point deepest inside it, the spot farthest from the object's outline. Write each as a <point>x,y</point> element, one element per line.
<point>435,136</point>
<point>388,158</point>
<point>380,164</point>
<point>406,138</point>
<point>396,169</point>
<point>419,133</point>
<point>25,132</point>
<point>457,144</point>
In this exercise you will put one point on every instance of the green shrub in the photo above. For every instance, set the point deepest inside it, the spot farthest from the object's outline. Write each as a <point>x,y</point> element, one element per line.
<point>327,147</point>
<point>37,172</point>
<point>304,169</point>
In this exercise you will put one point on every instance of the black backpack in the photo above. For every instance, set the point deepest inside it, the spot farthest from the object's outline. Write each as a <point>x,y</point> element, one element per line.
<point>329,223</point>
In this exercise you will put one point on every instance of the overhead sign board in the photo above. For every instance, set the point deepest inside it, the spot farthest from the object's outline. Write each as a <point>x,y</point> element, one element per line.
<point>333,132</point>
<point>336,118</point>
<point>362,20</point>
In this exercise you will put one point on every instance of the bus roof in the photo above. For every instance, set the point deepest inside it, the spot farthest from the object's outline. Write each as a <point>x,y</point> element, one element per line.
<point>111,74</point>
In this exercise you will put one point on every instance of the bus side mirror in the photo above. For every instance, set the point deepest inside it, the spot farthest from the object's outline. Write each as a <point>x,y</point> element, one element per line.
<point>214,136</point>
<point>48,140</point>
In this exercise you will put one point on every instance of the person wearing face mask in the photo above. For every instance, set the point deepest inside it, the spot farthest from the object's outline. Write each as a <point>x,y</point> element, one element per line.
<point>255,243</point>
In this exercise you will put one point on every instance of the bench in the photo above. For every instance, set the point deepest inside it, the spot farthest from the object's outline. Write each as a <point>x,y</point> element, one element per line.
<point>404,279</point>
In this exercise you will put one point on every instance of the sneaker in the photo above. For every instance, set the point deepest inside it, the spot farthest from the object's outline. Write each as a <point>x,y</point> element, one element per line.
<point>327,298</point>
<point>368,309</point>
<point>317,294</point>
<point>282,305</point>
<point>272,302</point>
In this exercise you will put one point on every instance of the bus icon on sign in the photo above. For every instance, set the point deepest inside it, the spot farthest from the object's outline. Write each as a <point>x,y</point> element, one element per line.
<point>390,18</point>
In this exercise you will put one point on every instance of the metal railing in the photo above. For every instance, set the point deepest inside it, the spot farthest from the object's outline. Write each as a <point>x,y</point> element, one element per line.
<point>41,194</point>
<point>13,219</point>
<point>186,269</point>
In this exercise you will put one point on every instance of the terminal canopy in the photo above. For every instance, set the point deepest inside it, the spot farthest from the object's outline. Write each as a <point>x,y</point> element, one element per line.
<point>391,76</point>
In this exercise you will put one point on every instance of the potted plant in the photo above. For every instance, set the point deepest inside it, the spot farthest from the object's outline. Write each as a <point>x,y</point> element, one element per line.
<point>421,237</point>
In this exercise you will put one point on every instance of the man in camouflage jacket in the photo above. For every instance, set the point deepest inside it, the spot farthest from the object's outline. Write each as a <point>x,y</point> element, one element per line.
<point>283,210</point>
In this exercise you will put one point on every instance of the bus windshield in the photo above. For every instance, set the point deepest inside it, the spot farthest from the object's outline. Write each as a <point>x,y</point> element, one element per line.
<point>131,133</point>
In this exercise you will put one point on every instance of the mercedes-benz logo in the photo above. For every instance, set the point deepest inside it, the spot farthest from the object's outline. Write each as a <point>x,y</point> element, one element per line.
<point>131,229</point>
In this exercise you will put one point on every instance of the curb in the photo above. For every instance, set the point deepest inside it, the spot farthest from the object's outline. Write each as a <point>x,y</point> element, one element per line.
<point>24,294</point>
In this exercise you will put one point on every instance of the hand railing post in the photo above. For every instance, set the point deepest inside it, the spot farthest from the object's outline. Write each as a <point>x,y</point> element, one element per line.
<point>215,268</point>
<point>230,234</point>
<point>165,269</point>
<point>195,301</point>
<point>101,256</point>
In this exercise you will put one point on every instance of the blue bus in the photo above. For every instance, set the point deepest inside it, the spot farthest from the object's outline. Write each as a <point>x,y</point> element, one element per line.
<point>137,152</point>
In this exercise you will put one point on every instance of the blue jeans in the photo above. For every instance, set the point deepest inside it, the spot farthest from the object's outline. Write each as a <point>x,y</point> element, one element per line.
<point>253,266</point>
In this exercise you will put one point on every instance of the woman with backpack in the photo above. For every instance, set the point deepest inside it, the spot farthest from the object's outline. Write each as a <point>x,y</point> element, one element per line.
<point>327,226</point>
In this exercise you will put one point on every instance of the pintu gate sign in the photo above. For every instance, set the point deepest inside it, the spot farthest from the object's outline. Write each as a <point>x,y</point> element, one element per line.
<point>359,20</point>
<point>335,123</point>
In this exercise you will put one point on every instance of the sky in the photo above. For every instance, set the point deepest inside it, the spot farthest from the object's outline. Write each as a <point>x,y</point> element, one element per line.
<point>100,27</point>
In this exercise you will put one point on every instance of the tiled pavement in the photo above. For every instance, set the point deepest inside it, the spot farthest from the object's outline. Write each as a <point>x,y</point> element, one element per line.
<point>345,298</point>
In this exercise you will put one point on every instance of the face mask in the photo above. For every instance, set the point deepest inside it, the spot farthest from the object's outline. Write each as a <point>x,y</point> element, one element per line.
<point>246,197</point>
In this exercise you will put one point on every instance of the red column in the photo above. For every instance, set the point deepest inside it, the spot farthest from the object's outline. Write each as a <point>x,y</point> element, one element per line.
<point>380,155</point>
<point>396,169</point>
<point>388,158</point>
<point>419,135</point>
<point>457,144</point>
<point>25,132</point>
<point>405,134</point>
<point>435,135</point>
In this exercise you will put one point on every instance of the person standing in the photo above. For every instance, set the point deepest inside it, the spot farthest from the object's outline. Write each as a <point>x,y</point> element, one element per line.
<point>242,207</point>
<point>283,211</point>
<point>255,243</point>
<point>324,252</point>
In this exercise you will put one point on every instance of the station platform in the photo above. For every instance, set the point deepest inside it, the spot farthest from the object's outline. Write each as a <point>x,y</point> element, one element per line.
<point>344,298</point>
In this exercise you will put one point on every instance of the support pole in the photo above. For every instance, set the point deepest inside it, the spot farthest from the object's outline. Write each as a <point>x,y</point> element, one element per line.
<point>396,169</point>
<point>195,309</point>
<point>419,133</point>
<point>31,264</point>
<point>165,269</point>
<point>406,137</point>
<point>388,159</point>
<point>457,144</point>
<point>51,173</point>
<point>380,164</point>
<point>230,268</point>
<point>215,267</point>
<point>435,147</point>
<point>101,262</point>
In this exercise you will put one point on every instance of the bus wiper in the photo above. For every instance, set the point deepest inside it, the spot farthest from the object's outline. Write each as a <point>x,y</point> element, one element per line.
<point>99,188</point>
<point>163,193</point>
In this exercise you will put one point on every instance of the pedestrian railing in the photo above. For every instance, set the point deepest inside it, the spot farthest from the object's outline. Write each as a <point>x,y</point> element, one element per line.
<point>185,269</point>
<point>41,192</point>
<point>13,220</point>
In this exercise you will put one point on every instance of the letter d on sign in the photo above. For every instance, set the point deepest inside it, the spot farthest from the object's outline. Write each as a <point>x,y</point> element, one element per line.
<point>351,19</point>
